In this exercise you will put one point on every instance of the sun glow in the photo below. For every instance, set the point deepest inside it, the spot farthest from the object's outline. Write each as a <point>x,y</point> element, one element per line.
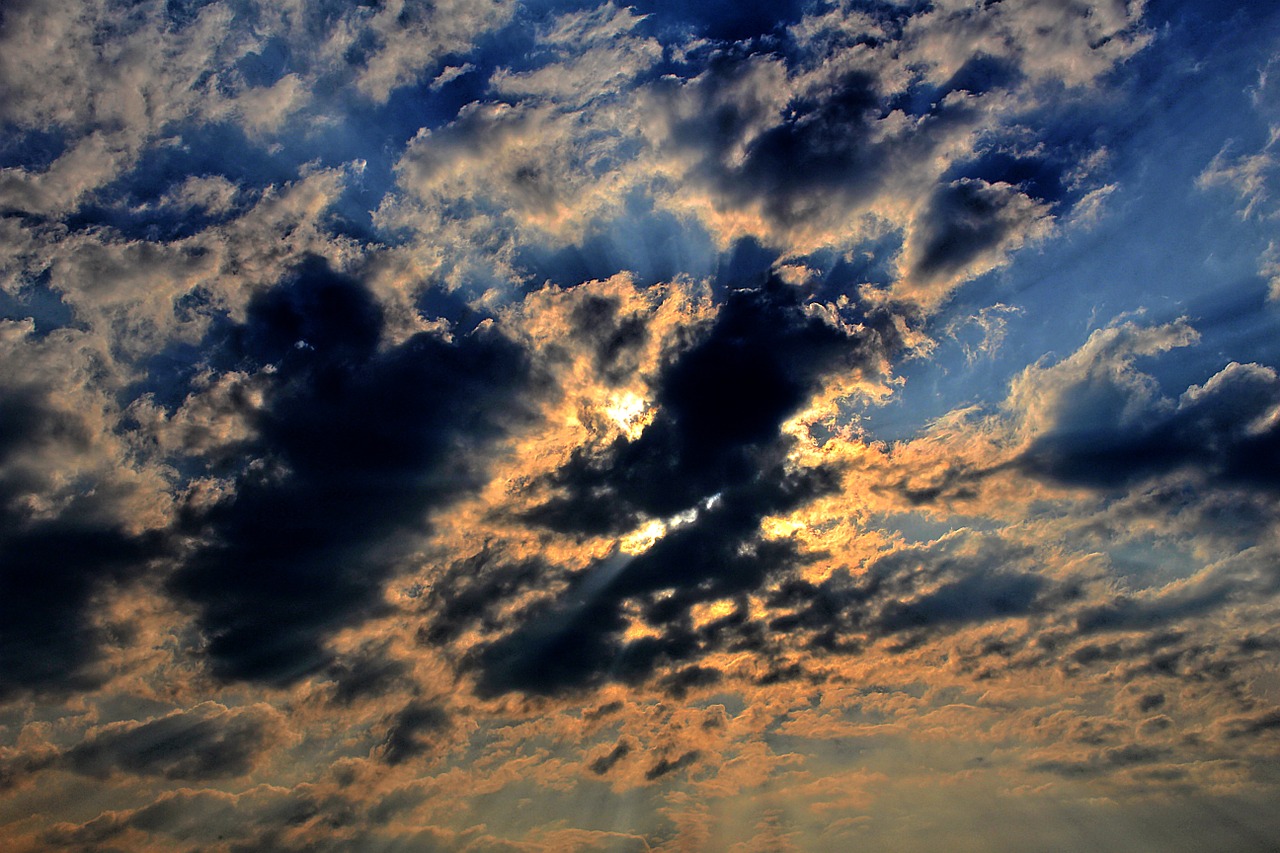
<point>630,412</point>
<point>642,538</point>
<point>711,611</point>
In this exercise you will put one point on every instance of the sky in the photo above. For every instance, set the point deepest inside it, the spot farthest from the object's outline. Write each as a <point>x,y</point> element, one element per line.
<point>520,425</point>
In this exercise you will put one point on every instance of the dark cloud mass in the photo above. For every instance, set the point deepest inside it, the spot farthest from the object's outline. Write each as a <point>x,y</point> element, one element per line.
<point>355,446</point>
<point>53,565</point>
<point>714,449</point>
<point>207,742</point>
<point>962,222</point>
<point>1225,430</point>
<point>915,593</point>
<point>720,407</point>
<point>410,731</point>
<point>602,765</point>
<point>820,154</point>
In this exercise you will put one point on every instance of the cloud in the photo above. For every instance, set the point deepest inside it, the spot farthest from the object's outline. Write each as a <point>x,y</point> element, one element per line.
<point>916,594</point>
<point>837,137</point>
<point>132,75</point>
<point>344,465</point>
<point>52,570</point>
<point>602,765</point>
<point>77,514</point>
<point>714,460</point>
<point>369,671</point>
<point>968,228</point>
<point>1248,175</point>
<point>205,816</point>
<point>1110,427</point>
<point>719,404</point>
<point>206,742</point>
<point>665,766</point>
<point>410,731</point>
<point>522,426</point>
<point>828,137</point>
<point>409,36</point>
<point>214,193</point>
<point>122,79</point>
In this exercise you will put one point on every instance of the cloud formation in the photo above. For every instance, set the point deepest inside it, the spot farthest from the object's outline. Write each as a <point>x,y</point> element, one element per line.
<point>342,464</point>
<point>538,426</point>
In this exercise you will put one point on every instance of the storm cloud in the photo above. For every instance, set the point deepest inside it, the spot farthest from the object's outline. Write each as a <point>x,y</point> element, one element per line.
<point>354,446</point>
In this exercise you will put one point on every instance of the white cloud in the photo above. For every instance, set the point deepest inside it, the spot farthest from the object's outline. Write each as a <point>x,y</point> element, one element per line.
<point>1249,176</point>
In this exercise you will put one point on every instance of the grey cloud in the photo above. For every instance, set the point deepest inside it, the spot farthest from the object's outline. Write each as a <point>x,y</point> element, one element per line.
<point>602,765</point>
<point>666,766</point>
<point>917,593</point>
<point>53,565</point>
<point>967,220</point>
<point>1107,435</point>
<point>209,741</point>
<point>412,731</point>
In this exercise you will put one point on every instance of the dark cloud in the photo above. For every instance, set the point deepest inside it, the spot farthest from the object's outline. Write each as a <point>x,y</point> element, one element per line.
<point>51,571</point>
<point>964,220</point>
<point>571,646</point>
<point>714,452</point>
<point>916,593</point>
<point>1038,175</point>
<point>207,742</point>
<point>819,153</point>
<point>1106,761</point>
<point>778,674</point>
<point>1129,613</point>
<point>604,710</point>
<point>51,567</point>
<point>367,672</point>
<point>577,642</point>
<point>720,406</point>
<point>1267,722</point>
<point>1224,431</point>
<point>824,144</point>
<point>680,682</point>
<point>602,765</point>
<point>471,591</point>
<point>1150,701</point>
<point>615,339</point>
<point>825,154</point>
<point>666,766</point>
<point>413,730</point>
<point>207,818</point>
<point>982,73</point>
<point>355,446</point>
<point>969,598</point>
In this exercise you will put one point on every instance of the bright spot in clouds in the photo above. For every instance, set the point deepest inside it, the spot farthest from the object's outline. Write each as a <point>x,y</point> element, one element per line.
<point>630,412</point>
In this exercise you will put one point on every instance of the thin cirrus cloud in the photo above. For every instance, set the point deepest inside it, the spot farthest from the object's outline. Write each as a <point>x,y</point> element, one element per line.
<point>488,426</point>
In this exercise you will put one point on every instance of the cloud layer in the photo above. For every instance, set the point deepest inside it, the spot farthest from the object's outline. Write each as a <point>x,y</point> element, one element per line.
<point>535,426</point>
